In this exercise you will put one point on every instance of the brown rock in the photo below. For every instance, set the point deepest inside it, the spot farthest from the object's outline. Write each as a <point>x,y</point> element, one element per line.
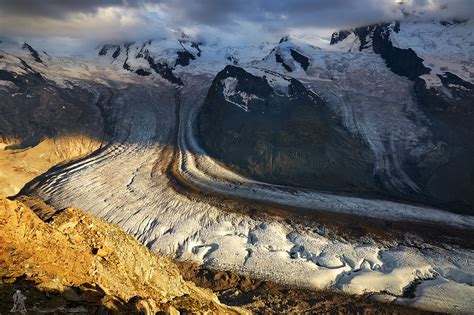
<point>127,273</point>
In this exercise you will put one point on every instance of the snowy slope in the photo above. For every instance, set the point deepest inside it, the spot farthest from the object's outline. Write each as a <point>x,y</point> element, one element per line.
<point>179,55</point>
<point>443,47</point>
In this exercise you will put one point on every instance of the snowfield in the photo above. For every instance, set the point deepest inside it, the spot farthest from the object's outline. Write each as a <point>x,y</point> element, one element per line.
<point>127,182</point>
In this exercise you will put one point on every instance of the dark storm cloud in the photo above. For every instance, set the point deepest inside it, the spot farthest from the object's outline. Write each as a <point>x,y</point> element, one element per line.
<point>115,19</point>
<point>317,13</point>
<point>295,12</point>
<point>55,8</point>
<point>220,12</point>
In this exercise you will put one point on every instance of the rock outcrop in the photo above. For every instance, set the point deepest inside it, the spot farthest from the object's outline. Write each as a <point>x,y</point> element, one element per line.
<point>90,263</point>
<point>377,37</point>
<point>20,166</point>
<point>451,111</point>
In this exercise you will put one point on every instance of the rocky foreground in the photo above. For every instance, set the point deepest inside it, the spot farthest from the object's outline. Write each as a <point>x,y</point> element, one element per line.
<point>72,262</point>
<point>81,263</point>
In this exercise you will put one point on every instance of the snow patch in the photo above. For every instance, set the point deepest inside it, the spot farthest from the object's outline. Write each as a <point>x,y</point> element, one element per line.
<point>238,98</point>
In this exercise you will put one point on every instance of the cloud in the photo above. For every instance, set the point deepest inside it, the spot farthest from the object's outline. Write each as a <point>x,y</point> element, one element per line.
<point>276,14</point>
<point>113,23</point>
<point>55,8</point>
<point>123,20</point>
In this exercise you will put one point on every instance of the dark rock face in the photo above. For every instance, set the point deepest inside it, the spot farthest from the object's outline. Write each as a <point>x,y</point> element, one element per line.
<point>142,72</point>
<point>184,57</point>
<point>451,112</point>
<point>196,46</point>
<point>403,62</point>
<point>126,66</point>
<point>456,96</point>
<point>301,59</point>
<point>33,53</point>
<point>283,39</point>
<point>116,52</point>
<point>280,60</point>
<point>232,59</point>
<point>22,82</point>
<point>43,109</point>
<point>337,37</point>
<point>103,51</point>
<point>452,22</point>
<point>363,34</point>
<point>290,139</point>
<point>163,70</point>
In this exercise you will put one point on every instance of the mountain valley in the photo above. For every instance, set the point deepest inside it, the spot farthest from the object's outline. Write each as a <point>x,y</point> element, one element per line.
<point>342,165</point>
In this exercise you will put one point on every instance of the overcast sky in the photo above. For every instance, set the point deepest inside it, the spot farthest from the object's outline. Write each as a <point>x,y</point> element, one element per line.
<point>99,21</point>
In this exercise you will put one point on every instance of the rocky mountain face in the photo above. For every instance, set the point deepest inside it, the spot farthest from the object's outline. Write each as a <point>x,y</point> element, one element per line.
<point>87,265</point>
<point>45,109</point>
<point>271,144</point>
<point>292,54</point>
<point>403,62</point>
<point>272,128</point>
<point>442,85</point>
<point>450,108</point>
<point>43,123</point>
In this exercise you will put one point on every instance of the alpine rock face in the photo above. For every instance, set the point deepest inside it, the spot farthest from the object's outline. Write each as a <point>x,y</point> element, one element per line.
<point>422,154</point>
<point>437,58</point>
<point>235,156</point>
<point>276,130</point>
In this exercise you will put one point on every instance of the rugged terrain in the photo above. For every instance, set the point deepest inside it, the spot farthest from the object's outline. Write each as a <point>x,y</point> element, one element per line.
<point>441,72</point>
<point>283,134</point>
<point>71,262</point>
<point>376,230</point>
<point>91,265</point>
<point>310,125</point>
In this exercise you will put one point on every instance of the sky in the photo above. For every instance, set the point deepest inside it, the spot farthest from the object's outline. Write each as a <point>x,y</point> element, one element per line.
<point>78,22</point>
